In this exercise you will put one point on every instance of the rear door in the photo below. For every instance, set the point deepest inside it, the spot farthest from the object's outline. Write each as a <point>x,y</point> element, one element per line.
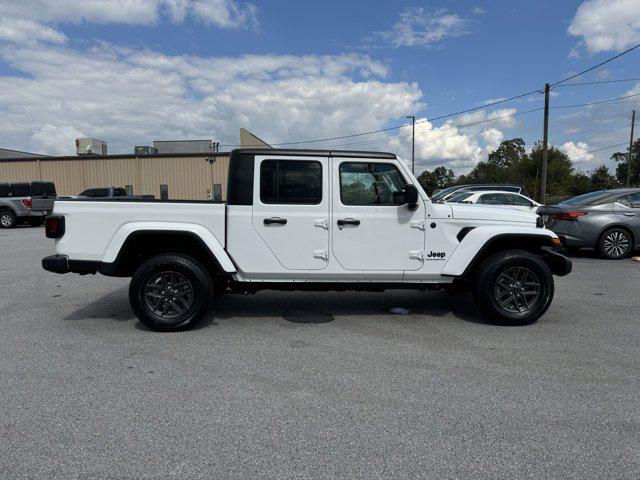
<point>628,209</point>
<point>291,209</point>
<point>369,231</point>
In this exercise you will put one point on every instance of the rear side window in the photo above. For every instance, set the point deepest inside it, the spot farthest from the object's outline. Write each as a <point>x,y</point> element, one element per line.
<point>119,192</point>
<point>516,200</point>
<point>291,182</point>
<point>369,183</point>
<point>492,199</point>
<point>635,200</point>
<point>20,190</point>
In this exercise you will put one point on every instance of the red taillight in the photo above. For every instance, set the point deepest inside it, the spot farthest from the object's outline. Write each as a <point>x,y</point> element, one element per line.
<point>54,226</point>
<point>568,215</point>
<point>27,203</point>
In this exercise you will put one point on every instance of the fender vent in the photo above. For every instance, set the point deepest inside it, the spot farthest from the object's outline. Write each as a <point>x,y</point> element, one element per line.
<point>463,233</point>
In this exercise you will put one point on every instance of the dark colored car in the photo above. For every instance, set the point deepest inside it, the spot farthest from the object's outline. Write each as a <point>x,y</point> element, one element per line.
<point>607,220</point>
<point>443,195</point>
<point>25,202</point>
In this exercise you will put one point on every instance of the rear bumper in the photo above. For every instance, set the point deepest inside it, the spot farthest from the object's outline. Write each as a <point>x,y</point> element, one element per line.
<point>62,264</point>
<point>571,241</point>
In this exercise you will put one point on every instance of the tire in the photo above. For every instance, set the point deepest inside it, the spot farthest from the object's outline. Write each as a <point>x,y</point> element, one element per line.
<point>170,292</point>
<point>8,219</point>
<point>501,283</point>
<point>615,243</point>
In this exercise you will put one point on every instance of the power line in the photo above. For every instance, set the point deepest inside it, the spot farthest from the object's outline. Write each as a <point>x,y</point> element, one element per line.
<point>620,80</point>
<point>595,66</point>
<point>597,102</point>
<point>600,149</point>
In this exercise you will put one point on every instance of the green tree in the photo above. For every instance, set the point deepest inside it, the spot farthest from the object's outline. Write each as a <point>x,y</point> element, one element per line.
<point>581,183</point>
<point>559,171</point>
<point>502,165</point>
<point>601,179</point>
<point>441,177</point>
<point>621,169</point>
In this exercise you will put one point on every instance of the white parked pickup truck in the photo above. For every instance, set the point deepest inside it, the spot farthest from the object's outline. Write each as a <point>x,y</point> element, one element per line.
<point>308,220</point>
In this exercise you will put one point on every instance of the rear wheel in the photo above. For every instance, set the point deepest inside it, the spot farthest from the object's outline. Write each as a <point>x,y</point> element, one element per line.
<point>513,288</point>
<point>615,243</point>
<point>7,219</point>
<point>170,292</point>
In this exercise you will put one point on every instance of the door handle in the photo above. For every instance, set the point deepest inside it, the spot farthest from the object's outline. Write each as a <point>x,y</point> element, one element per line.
<point>629,214</point>
<point>348,221</point>
<point>275,221</point>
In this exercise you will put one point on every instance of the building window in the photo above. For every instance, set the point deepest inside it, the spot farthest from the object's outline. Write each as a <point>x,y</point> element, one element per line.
<point>291,182</point>
<point>369,183</point>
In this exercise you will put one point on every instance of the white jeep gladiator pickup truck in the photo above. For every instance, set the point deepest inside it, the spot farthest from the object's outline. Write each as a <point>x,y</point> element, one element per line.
<point>308,220</point>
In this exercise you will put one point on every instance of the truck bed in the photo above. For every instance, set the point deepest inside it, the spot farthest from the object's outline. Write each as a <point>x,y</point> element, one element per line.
<point>95,227</point>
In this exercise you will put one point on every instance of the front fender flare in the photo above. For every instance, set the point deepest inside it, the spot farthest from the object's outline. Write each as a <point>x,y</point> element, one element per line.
<point>204,234</point>
<point>478,239</point>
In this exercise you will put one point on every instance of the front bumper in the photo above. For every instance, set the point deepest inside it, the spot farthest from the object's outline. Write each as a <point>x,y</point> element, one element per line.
<point>558,263</point>
<point>39,213</point>
<point>62,264</point>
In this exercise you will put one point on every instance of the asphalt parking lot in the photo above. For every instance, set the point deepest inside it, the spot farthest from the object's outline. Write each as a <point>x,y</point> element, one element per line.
<point>262,390</point>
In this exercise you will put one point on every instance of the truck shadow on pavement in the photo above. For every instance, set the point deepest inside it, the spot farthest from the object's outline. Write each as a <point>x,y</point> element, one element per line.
<point>301,307</point>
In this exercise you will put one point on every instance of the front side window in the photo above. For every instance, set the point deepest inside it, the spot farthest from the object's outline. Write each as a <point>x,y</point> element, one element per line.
<point>291,182</point>
<point>369,183</point>
<point>4,190</point>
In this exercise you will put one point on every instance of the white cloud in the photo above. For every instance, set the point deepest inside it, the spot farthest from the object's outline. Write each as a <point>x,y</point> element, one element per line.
<point>55,140</point>
<point>606,25</point>
<point>219,13</point>
<point>578,152</point>
<point>128,96</point>
<point>28,31</point>
<point>418,26</point>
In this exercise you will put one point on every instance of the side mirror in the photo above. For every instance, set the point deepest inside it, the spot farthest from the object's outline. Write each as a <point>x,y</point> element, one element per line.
<point>408,195</point>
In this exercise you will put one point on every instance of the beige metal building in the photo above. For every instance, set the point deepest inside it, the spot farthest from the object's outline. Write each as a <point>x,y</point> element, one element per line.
<point>188,176</point>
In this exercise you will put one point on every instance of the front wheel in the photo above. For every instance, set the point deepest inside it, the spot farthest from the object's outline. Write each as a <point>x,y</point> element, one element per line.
<point>513,287</point>
<point>170,292</point>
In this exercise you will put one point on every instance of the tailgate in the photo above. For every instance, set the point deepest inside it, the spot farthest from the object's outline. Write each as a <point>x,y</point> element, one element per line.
<point>42,203</point>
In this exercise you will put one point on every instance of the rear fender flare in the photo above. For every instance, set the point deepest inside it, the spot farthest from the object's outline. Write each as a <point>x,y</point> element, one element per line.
<point>476,242</point>
<point>204,234</point>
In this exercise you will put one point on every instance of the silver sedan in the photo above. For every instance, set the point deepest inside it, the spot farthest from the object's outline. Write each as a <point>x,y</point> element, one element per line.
<point>607,220</point>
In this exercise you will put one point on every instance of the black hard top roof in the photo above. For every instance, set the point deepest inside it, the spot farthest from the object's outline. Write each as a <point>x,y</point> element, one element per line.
<point>313,153</point>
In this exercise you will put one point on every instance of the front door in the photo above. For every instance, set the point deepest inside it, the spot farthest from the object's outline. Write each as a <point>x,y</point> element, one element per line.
<point>291,210</point>
<point>369,231</point>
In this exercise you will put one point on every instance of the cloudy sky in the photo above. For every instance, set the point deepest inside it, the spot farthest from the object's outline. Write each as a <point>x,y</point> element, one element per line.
<point>134,71</point>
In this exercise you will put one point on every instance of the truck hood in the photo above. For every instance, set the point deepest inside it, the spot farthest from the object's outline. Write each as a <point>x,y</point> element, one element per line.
<point>492,213</point>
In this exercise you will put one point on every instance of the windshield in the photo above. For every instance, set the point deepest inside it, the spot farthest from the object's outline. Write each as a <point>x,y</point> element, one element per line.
<point>443,193</point>
<point>592,198</point>
<point>459,197</point>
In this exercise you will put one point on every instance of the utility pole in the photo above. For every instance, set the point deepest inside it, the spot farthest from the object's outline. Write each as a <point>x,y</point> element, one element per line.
<point>413,143</point>
<point>633,121</point>
<point>545,146</point>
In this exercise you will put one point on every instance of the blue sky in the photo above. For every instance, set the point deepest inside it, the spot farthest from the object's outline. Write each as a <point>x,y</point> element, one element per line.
<point>131,72</point>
